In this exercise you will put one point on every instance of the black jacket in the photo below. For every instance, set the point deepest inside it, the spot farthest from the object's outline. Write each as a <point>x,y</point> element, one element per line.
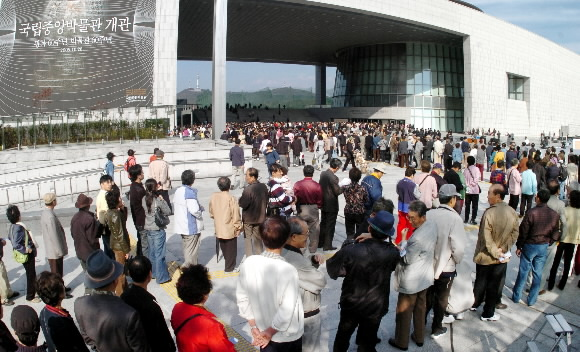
<point>109,324</point>
<point>452,177</point>
<point>366,268</point>
<point>136,194</point>
<point>253,202</point>
<point>330,191</point>
<point>60,332</point>
<point>156,330</point>
<point>368,141</point>
<point>84,229</point>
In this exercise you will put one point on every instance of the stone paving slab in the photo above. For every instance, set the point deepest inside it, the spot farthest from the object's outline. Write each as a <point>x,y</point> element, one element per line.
<point>518,323</point>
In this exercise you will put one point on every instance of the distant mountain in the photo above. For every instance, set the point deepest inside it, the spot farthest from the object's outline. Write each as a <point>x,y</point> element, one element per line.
<point>293,98</point>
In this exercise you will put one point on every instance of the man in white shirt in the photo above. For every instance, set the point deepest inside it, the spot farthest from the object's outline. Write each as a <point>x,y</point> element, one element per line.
<point>188,217</point>
<point>268,292</point>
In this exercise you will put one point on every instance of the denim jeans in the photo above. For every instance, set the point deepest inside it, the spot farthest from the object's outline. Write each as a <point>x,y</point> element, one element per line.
<point>533,257</point>
<point>562,190</point>
<point>156,242</point>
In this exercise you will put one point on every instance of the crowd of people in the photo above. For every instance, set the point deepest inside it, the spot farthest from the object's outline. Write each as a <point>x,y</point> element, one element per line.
<point>288,225</point>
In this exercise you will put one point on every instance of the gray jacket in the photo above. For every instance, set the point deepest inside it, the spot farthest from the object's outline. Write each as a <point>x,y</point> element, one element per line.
<point>310,279</point>
<point>415,271</point>
<point>53,235</point>
<point>450,246</point>
<point>150,216</point>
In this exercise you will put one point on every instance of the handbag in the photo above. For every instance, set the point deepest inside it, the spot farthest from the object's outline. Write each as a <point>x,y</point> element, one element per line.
<point>20,257</point>
<point>161,220</point>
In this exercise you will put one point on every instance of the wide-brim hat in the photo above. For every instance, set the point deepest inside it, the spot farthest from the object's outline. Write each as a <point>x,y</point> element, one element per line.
<point>383,222</point>
<point>83,201</point>
<point>101,270</point>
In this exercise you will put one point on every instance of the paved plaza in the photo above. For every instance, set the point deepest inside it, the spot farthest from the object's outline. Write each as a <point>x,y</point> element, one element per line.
<point>518,322</point>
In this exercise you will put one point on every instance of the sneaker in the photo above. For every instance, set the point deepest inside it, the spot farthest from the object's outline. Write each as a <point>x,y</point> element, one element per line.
<point>473,309</point>
<point>495,317</point>
<point>448,319</point>
<point>440,332</point>
<point>34,300</point>
<point>460,316</point>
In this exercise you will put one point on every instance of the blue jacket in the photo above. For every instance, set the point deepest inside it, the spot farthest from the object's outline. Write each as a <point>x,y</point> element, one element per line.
<point>374,189</point>
<point>110,168</point>
<point>376,141</point>
<point>406,192</point>
<point>457,155</point>
<point>529,182</point>
<point>272,157</point>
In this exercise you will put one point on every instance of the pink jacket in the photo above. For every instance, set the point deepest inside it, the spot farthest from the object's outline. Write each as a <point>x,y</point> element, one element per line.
<point>472,177</point>
<point>514,181</point>
<point>428,188</point>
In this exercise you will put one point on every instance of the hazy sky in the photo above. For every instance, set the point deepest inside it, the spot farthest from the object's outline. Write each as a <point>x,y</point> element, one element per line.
<point>556,20</point>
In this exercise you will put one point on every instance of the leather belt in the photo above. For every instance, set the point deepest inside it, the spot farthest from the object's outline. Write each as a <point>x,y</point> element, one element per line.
<point>311,313</point>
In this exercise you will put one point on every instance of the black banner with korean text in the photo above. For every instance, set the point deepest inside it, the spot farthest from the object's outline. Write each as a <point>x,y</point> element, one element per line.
<point>75,54</point>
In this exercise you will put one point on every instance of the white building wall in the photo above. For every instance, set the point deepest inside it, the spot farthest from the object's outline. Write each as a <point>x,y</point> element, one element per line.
<point>492,49</point>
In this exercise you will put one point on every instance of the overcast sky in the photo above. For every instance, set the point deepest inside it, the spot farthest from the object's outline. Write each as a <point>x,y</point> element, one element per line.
<point>556,20</point>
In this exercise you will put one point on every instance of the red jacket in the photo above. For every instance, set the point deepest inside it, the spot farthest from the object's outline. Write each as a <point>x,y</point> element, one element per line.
<point>202,333</point>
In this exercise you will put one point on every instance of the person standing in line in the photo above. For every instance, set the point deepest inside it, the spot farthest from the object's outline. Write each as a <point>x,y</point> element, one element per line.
<point>58,326</point>
<point>369,146</point>
<point>373,186</point>
<point>539,229</point>
<point>356,197</point>
<point>238,161</point>
<point>253,202</point>
<point>480,159</point>
<point>195,327</point>
<point>308,195</point>
<point>268,294</point>
<point>159,171</point>
<point>136,295</point>
<point>472,190</point>
<point>224,209</point>
<point>136,194</point>
<point>106,183</point>
<point>453,177</point>
<point>22,242</point>
<point>498,231</point>
<point>282,148</point>
<point>310,280</point>
<point>428,149</point>
<point>188,217</point>
<point>447,155</point>
<point>364,298</point>
<point>156,236</point>
<point>272,157</point>
<point>26,326</point>
<point>84,229</point>
<point>349,151</point>
<point>105,321</point>
<point>115,220</point>
<point>529,189</point>
<point>568,242</point>
<point>330,192</point>
<point>406,190</point>
<point>465,148</point>
<point>296,147</point>
<point>438,149</point>
<point>54,237</point>
<point>449,250</point>
<point>427,184</point>
<point>414,275</point>
<point>514,183</point>
<point>110,166</point>
<point>6,292</point>
<point>154,155</point>
<point>402,152</point>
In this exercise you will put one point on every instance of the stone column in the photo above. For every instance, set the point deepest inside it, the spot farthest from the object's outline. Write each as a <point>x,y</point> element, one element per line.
<point>320,97</point>
<point>220,30</point>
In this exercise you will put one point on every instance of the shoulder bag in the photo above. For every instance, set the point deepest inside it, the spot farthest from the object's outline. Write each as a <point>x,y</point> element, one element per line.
<point>161,220</point>
<point>19,257</point>
<point>473,178</point>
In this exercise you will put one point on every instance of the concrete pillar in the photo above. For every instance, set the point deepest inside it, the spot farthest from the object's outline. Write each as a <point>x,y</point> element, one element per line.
<point>320,96</point>
<point>220,31</point>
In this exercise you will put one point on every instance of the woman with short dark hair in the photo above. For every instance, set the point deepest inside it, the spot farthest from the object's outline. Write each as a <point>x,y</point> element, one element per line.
<point>356,197</point>
<point>58,327</point>
<point>196,328</point>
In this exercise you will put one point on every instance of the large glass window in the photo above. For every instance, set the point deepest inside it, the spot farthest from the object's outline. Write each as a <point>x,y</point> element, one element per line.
<point>516,86</point>
<point>425,76</point>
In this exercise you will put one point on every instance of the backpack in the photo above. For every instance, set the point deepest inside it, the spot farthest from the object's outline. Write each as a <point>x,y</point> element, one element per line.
<point>563,174</point>
<point>127,165</point>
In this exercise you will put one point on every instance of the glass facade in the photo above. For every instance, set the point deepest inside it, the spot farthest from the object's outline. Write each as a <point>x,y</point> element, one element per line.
<point>426,77</point>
